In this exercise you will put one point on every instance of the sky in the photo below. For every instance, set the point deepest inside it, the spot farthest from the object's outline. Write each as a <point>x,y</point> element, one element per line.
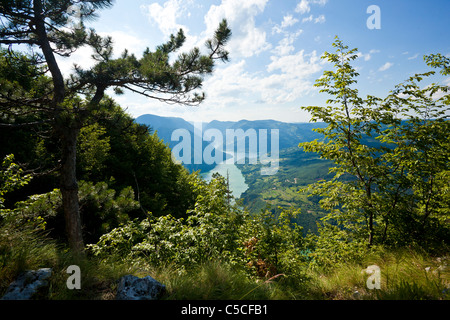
<point>276,49</point>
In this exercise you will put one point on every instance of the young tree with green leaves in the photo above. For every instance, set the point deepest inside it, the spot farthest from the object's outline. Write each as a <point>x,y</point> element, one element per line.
<point>390,155</point>
<point>47,27</point>
<point>349,118</point>
<point>418,159</point>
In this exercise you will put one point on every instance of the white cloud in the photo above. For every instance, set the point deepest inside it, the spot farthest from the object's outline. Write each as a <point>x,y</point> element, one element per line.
<point>82,57</point>
<point>386,66</point>
<point>247,39</point>
<point>288,21</point>
<point>287,78</point>
<point>320,19</point>
<point>291,77</point>
<point>126,40</point>
<point>285,45</point>
<point>298,63</point>
<point>308,19</point>
<point>166,16</point>
<point>413,57</point>
<point>367,56</point>
<point>304,6</point>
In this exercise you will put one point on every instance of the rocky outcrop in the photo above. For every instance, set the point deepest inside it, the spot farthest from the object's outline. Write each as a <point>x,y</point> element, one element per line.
<point>134,288</point>
<point>28,284</point>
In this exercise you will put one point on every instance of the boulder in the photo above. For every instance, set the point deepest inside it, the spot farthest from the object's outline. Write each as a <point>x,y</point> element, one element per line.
<point>28,284</point>
<point>134,288</point>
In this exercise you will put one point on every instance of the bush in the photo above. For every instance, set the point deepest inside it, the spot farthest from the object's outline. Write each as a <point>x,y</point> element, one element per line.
<point>262,245</point>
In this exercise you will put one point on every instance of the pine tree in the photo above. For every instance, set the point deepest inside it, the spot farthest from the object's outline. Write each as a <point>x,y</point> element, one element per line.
<point>50,28</point>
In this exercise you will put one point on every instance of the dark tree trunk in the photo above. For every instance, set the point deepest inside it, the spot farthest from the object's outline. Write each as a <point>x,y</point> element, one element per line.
<point>371,231</point>
<point>68,135</point>
<point>69,188</point>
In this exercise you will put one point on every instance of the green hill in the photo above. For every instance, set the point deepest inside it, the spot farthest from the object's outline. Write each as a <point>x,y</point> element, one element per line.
<point>297,168</point>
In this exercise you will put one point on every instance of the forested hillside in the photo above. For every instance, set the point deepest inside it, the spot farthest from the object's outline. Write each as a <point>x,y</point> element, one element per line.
<point>82,183</point>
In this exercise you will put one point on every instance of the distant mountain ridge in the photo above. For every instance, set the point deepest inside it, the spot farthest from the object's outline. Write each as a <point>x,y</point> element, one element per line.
<point>291,134</point>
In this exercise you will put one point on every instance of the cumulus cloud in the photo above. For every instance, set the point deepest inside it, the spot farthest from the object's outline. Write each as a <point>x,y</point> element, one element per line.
<point>367,56</point>
<point>304,6</point>
<point>288,21</point>
<point>386,66</point>
<point>320,19</point>
<point>308,19</point>
<point>166,16</point>
<point>286,45</point>
<point>247,39</point>
<point>287,78</point>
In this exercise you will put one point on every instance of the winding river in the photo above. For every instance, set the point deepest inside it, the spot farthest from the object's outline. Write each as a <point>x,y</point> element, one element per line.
<point>237,180</point>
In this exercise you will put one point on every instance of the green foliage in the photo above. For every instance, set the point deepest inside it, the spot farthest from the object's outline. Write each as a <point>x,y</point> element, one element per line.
<point>274,244</point>
<point>405,274</point>
<point>390,156</point>
<point>154,75</point>
<point>67,105</point>
<point>102,210</point>
<point>333,245</point>
<point>93,149</point>
<point>216,280</point>
<point>262,245</point>
<point>388,186</point>
<point>280,192</point>
<point>210,231</point>
<point>11,177</point>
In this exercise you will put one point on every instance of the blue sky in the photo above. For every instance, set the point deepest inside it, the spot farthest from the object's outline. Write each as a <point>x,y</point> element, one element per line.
<point>276,48</point>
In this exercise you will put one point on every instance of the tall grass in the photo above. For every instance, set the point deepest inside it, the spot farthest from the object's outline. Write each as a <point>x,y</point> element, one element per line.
<point>216,280</point>
<point>22,250</point>
<point>209,281</point>
<point>405,275</point>
<point>28,249</point>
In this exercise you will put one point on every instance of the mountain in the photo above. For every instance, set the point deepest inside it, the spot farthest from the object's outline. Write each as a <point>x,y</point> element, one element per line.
<point>165,125</point>
<point>296,168</point>
<point>164,128</point>
<point>291,134</point>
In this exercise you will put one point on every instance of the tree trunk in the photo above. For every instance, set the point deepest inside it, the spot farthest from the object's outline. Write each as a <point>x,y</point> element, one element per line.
<point>371,212</point>
<point>69,189</point>
<point>371,231</point>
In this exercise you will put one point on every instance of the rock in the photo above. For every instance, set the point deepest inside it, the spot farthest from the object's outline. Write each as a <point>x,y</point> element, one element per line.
<point>134,288</point>
<point>28,284</point>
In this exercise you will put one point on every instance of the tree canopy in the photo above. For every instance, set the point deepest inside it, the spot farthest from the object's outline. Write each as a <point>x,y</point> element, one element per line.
<point>67,104</point>
<point>391,156</point>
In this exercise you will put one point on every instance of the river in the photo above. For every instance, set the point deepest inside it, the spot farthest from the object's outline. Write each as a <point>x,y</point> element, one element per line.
<point>237,180</point>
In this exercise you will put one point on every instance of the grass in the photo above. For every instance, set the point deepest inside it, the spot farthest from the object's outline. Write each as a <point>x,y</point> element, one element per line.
<point>405,274</point>
<point>216,280</point>
<point>212,281</point>
<point>22,250</point>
